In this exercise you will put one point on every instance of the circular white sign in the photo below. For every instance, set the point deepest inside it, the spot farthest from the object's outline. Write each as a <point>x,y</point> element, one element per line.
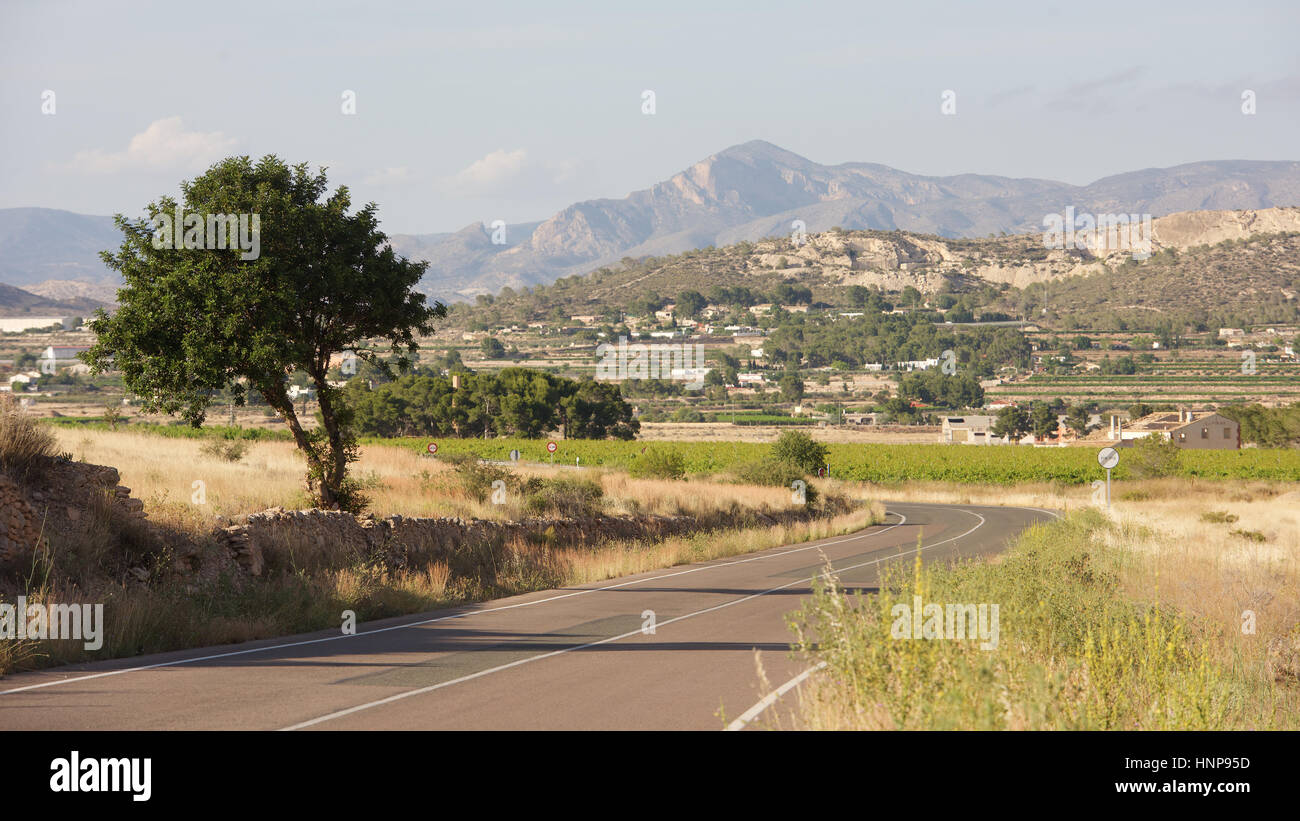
<point>1108,458</point>
<point>551,446</point>
<point>433,447</point>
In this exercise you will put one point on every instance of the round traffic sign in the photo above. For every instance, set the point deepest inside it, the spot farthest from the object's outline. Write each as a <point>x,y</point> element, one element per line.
<point>514,456</point>
<point>821,472</point>
<point>1108,458</point>
<point>551,446</point>
<point>433,447</point>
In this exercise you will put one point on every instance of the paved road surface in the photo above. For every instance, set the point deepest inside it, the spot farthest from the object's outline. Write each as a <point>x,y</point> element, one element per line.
<point>574,658</point>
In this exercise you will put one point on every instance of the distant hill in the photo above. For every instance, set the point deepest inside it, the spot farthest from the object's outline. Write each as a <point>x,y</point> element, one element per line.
<point>41,244</point>
<point>1204,265</point>
<point>15,302</point>
<point>746,192</point>
<point>757,190</point>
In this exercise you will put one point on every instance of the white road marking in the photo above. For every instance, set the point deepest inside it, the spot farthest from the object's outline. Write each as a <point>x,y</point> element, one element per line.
<point>466,614</point>
<point>770,699</point>
<point>519,662</point>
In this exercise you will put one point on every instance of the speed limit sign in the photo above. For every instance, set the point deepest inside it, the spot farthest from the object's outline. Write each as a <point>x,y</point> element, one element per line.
<point>433,447</point>
<point>551,447</point>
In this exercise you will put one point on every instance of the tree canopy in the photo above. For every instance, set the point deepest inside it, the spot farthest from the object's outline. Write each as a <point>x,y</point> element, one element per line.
<point>194,321</point>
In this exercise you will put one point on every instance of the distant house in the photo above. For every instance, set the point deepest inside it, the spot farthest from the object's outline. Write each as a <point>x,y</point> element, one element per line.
<point>63,354</point>
<point>27,323</point>
<point>585,319</point>
<point>916,364</point>
<point>1194,430</point>
<point>969,430</point>
<point>861,418</point>
<point>749,379</point>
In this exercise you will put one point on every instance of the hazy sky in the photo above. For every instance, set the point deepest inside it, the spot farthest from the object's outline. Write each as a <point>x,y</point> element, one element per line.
<point>479,111</point>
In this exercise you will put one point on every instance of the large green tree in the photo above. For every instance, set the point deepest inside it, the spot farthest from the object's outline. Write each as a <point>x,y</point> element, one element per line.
<point>194,321</point>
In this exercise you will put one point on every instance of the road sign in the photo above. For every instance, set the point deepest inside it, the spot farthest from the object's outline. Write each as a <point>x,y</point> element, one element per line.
<point>433,447</point>
<point>1108,458</point>
<point>551,447</point>
<point>821,472</point>
<point>514,456</point>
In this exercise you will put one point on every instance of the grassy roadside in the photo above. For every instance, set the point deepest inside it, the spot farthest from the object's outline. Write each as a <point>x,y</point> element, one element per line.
<point>160,617</point>
<point>1091,636</point>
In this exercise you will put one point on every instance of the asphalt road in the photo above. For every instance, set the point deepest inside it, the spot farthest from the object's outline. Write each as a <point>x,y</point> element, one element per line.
<point>574,658</point>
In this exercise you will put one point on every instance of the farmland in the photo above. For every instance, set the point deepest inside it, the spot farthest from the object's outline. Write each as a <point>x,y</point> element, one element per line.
<point>888,463</point>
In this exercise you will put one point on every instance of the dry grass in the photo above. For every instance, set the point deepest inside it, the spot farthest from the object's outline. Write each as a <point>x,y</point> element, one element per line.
<point>1188,564</point>
<point>23,441</point>
<point>162,473</point>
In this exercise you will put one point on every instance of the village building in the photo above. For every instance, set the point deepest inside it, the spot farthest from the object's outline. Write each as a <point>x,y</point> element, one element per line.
<point>1194,430</point>
<point>969,430</point>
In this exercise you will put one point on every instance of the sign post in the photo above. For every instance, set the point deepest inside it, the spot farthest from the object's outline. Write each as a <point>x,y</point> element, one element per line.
<point>432,448</point>
<point>551,447</point>
<point>1108,458</point>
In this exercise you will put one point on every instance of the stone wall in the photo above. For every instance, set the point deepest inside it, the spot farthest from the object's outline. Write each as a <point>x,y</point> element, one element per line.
<point>279,539</point>
<point>61,499</point>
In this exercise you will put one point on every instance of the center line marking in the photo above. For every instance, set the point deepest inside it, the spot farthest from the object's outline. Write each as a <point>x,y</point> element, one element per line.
<point>422,690</point>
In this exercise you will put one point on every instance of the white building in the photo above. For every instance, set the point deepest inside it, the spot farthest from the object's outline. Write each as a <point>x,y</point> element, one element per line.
<point>18,324</point>
<point>969,430</point>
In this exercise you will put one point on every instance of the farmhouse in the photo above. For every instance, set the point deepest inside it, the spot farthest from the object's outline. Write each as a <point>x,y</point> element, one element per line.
<point>1195,430</point>
<point>969,430</point>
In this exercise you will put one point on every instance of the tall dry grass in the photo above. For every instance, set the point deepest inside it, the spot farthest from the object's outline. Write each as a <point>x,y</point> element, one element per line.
<point>1183,611</point>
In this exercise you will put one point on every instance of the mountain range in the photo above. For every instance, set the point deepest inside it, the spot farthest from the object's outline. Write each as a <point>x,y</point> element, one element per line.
<point>746,192</point>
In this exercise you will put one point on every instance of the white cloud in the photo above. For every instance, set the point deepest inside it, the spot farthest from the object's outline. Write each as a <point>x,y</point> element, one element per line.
<point>494,169</point>
<point>389,176</point>
<point>165,144</point>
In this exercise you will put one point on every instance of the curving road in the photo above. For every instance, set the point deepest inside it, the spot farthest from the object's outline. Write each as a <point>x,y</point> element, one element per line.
<point>575,658</point>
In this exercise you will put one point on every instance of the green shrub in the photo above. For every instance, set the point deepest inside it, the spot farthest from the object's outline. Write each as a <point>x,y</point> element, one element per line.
<point>1152,457</point>
<point>230,450</point>
<point>658,463</point>
<point>1219,516</point>
<point>801,450</point>
<point>563,497</point>
<point>478,477</point>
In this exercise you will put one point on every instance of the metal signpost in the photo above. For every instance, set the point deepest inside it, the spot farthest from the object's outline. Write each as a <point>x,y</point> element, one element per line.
<point>1108,458</point>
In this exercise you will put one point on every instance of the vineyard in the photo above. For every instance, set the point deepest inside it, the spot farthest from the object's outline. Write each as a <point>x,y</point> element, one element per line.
<point>883,463</point>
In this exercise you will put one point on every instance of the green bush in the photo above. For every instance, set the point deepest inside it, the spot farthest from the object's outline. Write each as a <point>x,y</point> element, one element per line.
<point>1152,457</point>
<point>563,497</point>
<point>230,450</point>
<point>658,463</point>
<point>797,448</point>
